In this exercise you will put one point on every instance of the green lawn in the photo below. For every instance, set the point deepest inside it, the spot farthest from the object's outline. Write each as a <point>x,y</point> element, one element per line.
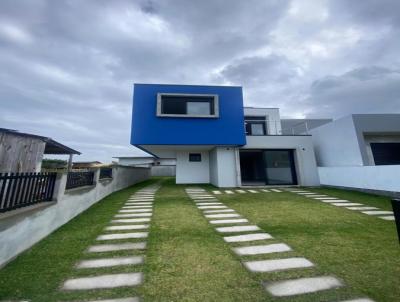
<point>187,260</point>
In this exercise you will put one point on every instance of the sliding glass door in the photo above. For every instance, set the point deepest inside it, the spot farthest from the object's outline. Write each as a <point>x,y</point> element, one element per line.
<point>270,167</point>
<point>279,167</point>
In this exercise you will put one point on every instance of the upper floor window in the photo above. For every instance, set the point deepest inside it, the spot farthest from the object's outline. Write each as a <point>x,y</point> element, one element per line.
<point>255,125</point>
<point>187,105</point>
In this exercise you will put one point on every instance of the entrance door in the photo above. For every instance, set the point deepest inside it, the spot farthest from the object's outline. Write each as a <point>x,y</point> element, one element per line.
<point>279,167</point>
<point>267,167</point>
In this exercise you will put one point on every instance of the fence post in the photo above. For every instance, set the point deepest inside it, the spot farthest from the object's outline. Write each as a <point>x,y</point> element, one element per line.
<point>396,211</point>
<point>59,186</point>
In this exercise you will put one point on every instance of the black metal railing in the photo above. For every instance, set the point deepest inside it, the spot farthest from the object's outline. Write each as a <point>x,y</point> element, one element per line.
<point>105,173</point>
<point>24,189</point>
<point>396,212</point>
<point>79,179</point>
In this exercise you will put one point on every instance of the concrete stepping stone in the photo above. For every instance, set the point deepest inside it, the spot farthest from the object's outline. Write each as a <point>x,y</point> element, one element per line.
<point>361,208</point>
<point>127,227</point>
<point>209,203</point>
<point>134,215</point>
<point>266,191</point>
<point>222,215</point>
<point>248,237</point>
<point>138,207</point>
<point>101,248</point>
<point>241,191</point>
<point>218,211</point>
<point>229,192</point>
<point>297,191</point>
<point>123,236</point>
<point>252,191</point>
<point>276,190</point>
<point>262,249</point>
<point>334,200</point>
<point>212,207</point>
<point>307,193</point>
<point>390,218</point>
<point>133,299</point>
<point>377,212</point>
<point>228,221</point>
<point>238,229</point>
<point>312,196</point>
<point>139,203</point>
<point>132,220</point>
<point>109,262</point>
<point>325,198</point>
<point>301,286</point>
<point>273,265</point>
<point>346,204</point>
<point>217,192</point>
<point>136,210</point>
<point>202,196</point>
<point>359,300</point>
<point>103,281</point>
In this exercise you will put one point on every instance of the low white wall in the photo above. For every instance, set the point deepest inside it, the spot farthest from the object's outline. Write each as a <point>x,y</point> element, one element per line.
<point>163,171</point>
<point>34,226</point>
<point>379,178</point>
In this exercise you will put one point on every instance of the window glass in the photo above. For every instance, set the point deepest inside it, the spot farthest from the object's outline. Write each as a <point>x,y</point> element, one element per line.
<point>198,108</point>
<point>257,129</point>
<point>194,156</point>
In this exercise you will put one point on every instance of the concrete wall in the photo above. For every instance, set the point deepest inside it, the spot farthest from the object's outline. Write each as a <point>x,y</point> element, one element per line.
<point>29,229</point>
<point>376,178</point>
<point>163,171</point>
<point>336,144</point>
<point>306,167</point>
<point>192,172</point>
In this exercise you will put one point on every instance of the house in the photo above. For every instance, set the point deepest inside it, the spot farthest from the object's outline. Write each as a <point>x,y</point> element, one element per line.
<point>159,166</point>
<point>360,151</point>
<point>216,140</point>
<point>23,152</point>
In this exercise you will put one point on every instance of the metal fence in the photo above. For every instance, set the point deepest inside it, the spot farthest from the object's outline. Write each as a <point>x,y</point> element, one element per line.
<point>105,173</point>
<point>79,179</point>
<point>24,189</point>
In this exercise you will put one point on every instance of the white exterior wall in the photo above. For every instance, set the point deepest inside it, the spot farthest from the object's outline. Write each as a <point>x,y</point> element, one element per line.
<point>382,178</point>
<point>273,118</point>
<point>336,144</point>
<point>192,172</point>
<point>32,228</point>
<point>306,167</point>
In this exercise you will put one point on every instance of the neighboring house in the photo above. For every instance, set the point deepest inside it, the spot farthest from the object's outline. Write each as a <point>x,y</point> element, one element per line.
<point>84,165</point>
<point>301,126</point>
<point>159,166</point>
<point>23,152</point>
<point>360,151</point>
<point>216,140</point>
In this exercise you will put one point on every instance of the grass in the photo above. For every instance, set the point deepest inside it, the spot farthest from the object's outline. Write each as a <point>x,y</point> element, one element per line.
<point>187,260</point>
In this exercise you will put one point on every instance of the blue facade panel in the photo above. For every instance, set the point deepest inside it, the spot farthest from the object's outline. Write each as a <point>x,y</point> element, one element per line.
<point>150,129</point>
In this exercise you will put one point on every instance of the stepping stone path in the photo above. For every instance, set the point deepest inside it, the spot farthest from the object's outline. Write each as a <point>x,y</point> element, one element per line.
<point>354,206</point>
<point>195,194</point>
<point>136,211</point>
<point>254,237</point>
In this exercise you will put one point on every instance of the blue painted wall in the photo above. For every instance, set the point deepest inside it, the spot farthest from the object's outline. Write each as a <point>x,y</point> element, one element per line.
<point>149,129</point>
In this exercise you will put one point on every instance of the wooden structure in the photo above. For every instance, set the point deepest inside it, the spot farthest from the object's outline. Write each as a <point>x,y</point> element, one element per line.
<point>23,152</point>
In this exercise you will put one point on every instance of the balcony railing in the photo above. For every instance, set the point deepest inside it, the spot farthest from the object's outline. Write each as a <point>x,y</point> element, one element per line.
<point>267,127</point>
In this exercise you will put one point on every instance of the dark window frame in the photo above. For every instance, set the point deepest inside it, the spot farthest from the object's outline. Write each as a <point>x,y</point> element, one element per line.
<point>259,120</point>
<point>212,99</point>
<point>195,157</point>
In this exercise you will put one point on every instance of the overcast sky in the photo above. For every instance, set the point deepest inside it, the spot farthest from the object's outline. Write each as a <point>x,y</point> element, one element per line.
<point>67,67</point>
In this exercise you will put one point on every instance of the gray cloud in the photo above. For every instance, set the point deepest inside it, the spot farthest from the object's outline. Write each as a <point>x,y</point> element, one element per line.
<point>67,67</point>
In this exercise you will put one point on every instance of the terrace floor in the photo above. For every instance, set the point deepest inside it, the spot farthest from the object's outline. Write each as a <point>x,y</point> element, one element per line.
<point>191,254</point>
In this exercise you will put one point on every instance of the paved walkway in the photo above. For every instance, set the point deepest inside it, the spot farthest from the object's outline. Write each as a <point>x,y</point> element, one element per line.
<point>238,229</point>
<point>354,206</point>
<point>131,223</point>
<point>243,191</point>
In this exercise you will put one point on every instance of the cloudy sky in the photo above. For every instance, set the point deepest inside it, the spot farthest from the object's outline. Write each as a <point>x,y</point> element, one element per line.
<point>67,67</point>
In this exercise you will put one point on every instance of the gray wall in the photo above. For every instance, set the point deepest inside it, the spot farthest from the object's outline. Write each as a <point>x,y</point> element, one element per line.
<point>20,153</point>
<point>163,170</point>
<point>32,227</point>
